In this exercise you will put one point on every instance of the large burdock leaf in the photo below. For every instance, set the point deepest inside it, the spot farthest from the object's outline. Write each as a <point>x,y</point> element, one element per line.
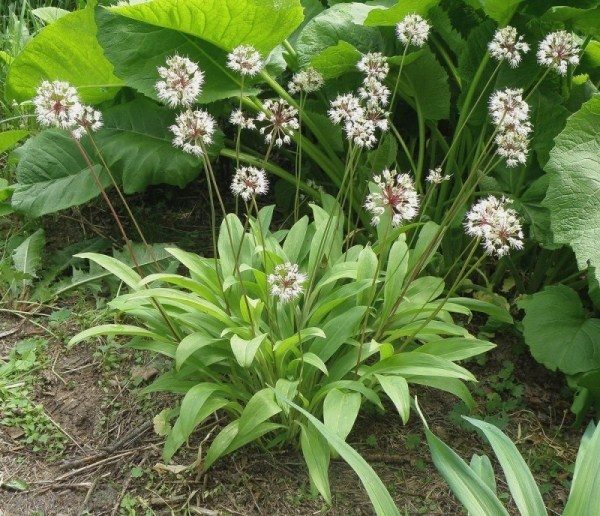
<point>136,49</point>
<point>224,23</point>
<point>573,196</point>
<point>392,15</point>
<point>340,23</point>
<point>65,50</point>
<point>137,143</point>
<point>558,333</point>
<point>53,175</point>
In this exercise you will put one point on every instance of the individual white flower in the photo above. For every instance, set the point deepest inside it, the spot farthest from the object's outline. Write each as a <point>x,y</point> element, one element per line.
<point>436,176</point>
<point>248,182</point>
<point>512,146</point>
<point>507,107</point>
<point>508,45</point>
<point>193,131</point>
<point>345,108</point>
<point>558,50</point>
<point>239,118</point>
<point>88,119</point>
<point>374,92</point>
<point>361,132</point>
<point>245,60</point>
<point>523,128</point>
<point>57,104</point>
<point>378,117</point>
<point>181,82</point>
<point>396,193</point>
<point>492,220</point>
<point>413,29</point>
<point>306,81</point>
<point>374,64</point>
<point>286,282</point>
<point>282,121</point>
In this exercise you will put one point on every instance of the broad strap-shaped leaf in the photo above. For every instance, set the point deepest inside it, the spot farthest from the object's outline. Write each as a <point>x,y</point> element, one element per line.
<point>316,454</point>
<point>245,350</point>
<point>338,330</point>
<point>189,345</point>
<point>121,270</point>
<point>294,240</point>
<point>395,274</point>
<point>558,331</point>
<point>456,348</point>
<point>573,196</point>
<point>53,175</point>
<point>378,494</point>
<point>264,24</point>
<point>482,467</point>
<point>66,50</point>
<point>451,385</point>
<point>584,497</point>
<point>396,387</point>
<point>520,481</point>
<point>340,410</point>
<point>114,329</point>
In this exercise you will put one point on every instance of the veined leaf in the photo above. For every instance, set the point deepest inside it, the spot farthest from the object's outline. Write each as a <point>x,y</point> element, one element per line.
<point>9,139</point>
<point>316,455</point>
<point>392,15</point>
<point>482,467</point>
<point>27,257</point>
<point>245,350</point>
<point>396,387</point>
<point>336,60</point>
<point>114,329</point>
<point>122,271</point>
<point>340,410</point>
<point>189,345</point>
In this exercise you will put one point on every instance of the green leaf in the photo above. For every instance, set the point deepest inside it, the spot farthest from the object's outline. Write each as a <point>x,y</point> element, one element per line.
<point>52,175</point>
<point>523,488</point>
<point>189,345</point>
<point>245,350</point>
<point>378,494</point>
<point>224,23</point>
<point>27,257</point>
<point>9,139</point>
<point>313,360</point>
<point>482,467</point>
<point>581,20</point>
<point>397,268</point>
<point>340,410</point>
<point>451,385</point>
<point>456,348</point>
<point>392,15</point>
<point>49,14</point>
<point>137,142</point>
<point>396,387</point>
<point>584,497</point>
<point>338,331</point>
<point>122,271</point>
<point>294,240</point>
<point>114,329</point>
<point>496,312</point>
<point>336,60</point>
<point>499,10</point>
<point>426,81</point>
<point>341,22</point>
<point>316,455</point>
<point>66,50</point>
<point>573,196</point>
<point>558,332</point>
<point>261,407</point>
<point>136,49</point>
<point>473,493</point>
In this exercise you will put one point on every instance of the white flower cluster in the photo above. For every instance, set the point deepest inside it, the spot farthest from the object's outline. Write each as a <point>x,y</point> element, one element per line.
<point>57,104</point>
<point>510,113</point>
<point>286,282</point>
<point>245,60</point>
<point>281,121</point>
<point>248,182</point>
<point>507,45</point>
<point>239,118</point>
<point>436,176</point>
<point>558,50</point>
<point>181,82</point>
<point>306,81</point>
<point>413,30</point>
<point>395,193</point>
<point>492,220</point>
<point>193,130</point>
<point>362,114</point>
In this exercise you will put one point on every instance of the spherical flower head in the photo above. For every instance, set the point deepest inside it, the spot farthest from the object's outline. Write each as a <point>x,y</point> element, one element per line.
<point>286,282</point>
<point>57,104</point>
<point>306,81</point>
<point>558,50</point>
<point>507,45</point>
<point>496,224</point>
<point>413,30</point>
<point>396,194</point>
<point>345,108</point>
<point>507,107</point>
<point>361,132</point>
<point>248,182</point>
<point>281,119</point>
<point>88,119</point>
<point>245,60</point>
<point>436,177</point>
<point>378,117</point>
<point>374,92</point>
<point>239,118</point>
<point>512,146</point>
<point>181,82</point>
<point>193,131</point>
<point>374,65</point>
